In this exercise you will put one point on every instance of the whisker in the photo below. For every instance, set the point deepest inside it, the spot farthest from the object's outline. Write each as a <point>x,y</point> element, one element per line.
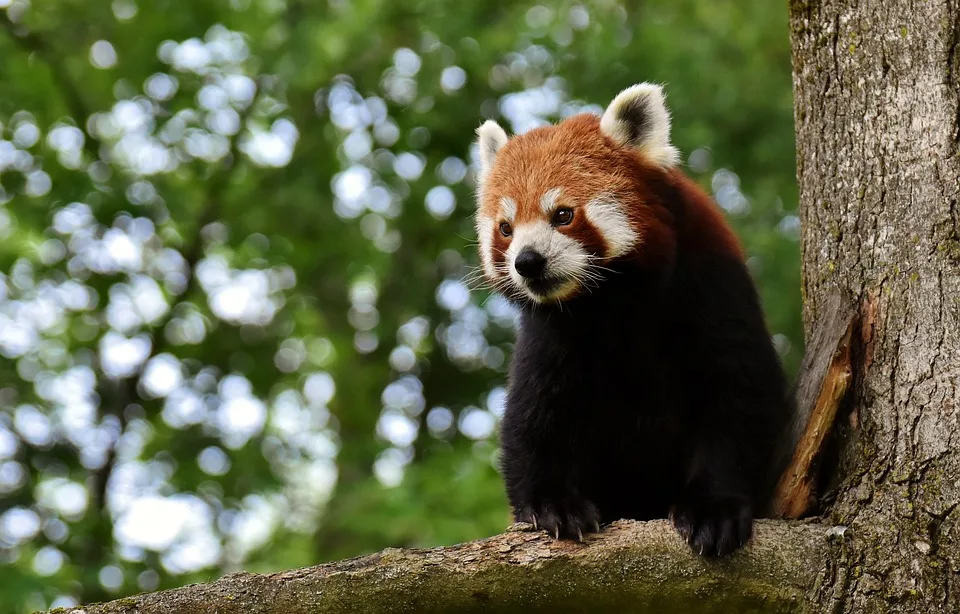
<point>592,264</point>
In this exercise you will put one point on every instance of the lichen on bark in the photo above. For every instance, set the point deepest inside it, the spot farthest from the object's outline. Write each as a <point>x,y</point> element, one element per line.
<point>877,103</point>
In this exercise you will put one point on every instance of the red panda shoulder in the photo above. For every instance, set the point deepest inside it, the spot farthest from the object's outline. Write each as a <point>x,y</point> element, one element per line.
<point>674,212</point>
<point>704,227</point>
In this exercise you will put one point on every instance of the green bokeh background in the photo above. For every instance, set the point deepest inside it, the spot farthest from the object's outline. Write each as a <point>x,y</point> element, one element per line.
<point>290,269</point>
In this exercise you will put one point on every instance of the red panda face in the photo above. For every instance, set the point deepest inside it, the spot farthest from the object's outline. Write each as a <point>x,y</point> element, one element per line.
<point>558,203</point>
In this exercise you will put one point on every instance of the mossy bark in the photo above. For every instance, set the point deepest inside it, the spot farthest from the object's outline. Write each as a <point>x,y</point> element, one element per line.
<point>877,101</point>
<point>631,568</point>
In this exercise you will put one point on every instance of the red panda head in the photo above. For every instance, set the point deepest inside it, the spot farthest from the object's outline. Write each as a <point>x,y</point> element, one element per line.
<point>558,203</point>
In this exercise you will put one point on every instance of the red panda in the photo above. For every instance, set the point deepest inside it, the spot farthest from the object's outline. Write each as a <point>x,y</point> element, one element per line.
<point>643,383</point>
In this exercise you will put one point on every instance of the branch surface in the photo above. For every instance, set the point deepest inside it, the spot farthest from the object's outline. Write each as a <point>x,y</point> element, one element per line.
<point>631,567</point>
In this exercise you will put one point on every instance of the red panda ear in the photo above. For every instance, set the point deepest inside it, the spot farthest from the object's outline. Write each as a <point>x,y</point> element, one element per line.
<point>638,118</point>
<point>490,138</point>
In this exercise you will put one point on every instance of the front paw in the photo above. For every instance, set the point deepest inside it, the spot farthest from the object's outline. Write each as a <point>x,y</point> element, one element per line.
<point>570,518</point>
<point>713,527</point>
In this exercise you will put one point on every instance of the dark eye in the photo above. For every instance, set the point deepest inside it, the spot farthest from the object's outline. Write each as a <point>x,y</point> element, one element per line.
<point>563,216</point>
<point>505,229</point>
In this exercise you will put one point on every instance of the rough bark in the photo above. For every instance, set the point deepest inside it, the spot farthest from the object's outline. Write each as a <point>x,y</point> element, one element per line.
<point>631,568</point>
<point>877,105</point>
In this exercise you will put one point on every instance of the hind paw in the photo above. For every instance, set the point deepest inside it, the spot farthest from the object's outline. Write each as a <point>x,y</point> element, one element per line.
<point>713,528</point>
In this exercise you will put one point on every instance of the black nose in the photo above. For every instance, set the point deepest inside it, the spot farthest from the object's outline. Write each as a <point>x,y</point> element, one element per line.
<point>530,264</point>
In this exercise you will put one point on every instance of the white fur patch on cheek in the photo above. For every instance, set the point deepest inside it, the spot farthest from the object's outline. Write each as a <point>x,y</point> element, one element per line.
<point>566,257</point>
<point>485,238</point>
<point>607,216</point>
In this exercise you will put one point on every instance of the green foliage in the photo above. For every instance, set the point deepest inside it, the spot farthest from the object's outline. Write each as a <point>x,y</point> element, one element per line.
<point>233,327</point>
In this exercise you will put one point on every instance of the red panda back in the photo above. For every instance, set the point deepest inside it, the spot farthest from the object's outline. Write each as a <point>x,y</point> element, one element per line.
<point>704,227</point>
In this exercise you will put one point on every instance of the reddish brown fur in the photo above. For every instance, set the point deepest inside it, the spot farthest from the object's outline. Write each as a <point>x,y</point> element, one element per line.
<point>499,246</point>
<point>704,223</point>
<point>577,157</point>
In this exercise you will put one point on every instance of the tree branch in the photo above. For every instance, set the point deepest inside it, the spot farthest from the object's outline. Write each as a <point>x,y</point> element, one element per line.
<point>631,567</point>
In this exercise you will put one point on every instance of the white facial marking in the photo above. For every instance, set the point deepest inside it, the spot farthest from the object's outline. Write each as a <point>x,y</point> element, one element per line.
<point>607,216</point>
<point>566,258</point>
<point>508,207</point>
<point>638,118</point>
<point>485,236</point>
<point>548,202</point>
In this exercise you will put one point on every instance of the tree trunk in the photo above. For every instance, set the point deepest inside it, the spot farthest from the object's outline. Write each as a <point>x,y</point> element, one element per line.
<point>877,89</point>
<point>877,105</point>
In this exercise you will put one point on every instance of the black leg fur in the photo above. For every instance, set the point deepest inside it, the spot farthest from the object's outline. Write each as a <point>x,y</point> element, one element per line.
<point>645,400</point>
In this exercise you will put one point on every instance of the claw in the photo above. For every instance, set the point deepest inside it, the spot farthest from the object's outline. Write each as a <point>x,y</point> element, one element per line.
<point>579,534</point>
<point>536,525</point>
<point>556,532</point>
<point>596,526</point>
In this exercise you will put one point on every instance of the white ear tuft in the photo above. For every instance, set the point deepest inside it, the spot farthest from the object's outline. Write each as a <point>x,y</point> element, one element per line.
<point>638,118</point>
<point>491,137</point>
